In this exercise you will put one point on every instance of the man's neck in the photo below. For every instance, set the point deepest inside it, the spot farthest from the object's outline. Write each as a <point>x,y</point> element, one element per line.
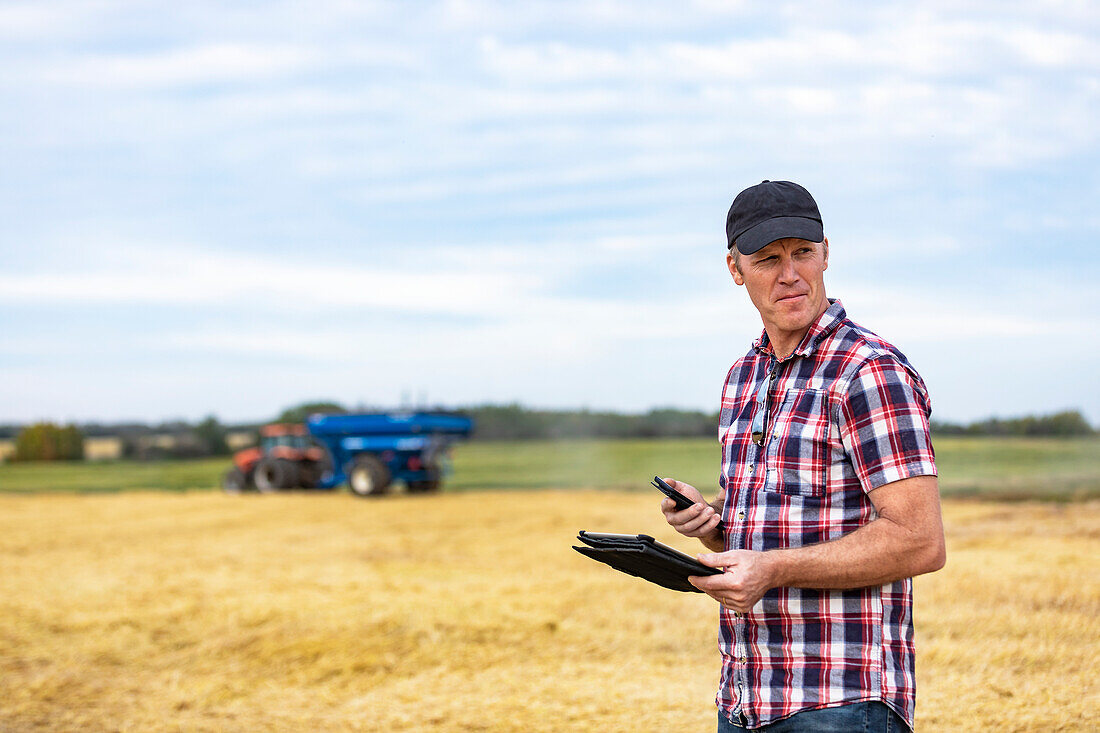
<point>783,343</point>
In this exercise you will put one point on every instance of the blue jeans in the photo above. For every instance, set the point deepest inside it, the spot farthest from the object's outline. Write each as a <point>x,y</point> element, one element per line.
<point>858,717</point>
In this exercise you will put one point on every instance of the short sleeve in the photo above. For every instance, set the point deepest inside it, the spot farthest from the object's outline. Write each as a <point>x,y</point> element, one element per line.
<point>883,421</point>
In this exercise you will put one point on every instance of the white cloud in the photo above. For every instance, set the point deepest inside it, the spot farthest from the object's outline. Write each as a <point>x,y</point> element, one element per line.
<point>925,47</point>
<point>191,276</point>
<point>583,15</point>
<point>29,20</point>
<point>555,148</point>
<point>23,18</point>
<point>491,280</point>
<point>195,65</point>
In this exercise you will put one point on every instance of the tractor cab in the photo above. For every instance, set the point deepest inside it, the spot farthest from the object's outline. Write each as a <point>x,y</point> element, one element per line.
<point>285,439</point>
<point>286,458</point>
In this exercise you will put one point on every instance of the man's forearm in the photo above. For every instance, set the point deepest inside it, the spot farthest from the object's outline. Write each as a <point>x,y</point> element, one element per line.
<point>880,552</point>
<point>905,540</point>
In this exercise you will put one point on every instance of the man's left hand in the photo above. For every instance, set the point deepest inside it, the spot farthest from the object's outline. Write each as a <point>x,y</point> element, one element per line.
<point>748,576</point>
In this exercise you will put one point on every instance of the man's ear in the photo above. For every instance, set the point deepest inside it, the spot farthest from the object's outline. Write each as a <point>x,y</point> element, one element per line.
<point>732,265</point>
<point>825,243</point>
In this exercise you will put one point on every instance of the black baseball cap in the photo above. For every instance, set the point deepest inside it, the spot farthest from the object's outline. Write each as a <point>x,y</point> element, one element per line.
<point>772,210</point>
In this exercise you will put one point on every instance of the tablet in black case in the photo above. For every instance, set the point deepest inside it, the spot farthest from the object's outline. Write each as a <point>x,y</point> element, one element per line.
<point>644,557</point>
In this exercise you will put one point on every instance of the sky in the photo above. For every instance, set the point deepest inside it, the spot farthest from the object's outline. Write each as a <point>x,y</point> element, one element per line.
<point>229,208</point>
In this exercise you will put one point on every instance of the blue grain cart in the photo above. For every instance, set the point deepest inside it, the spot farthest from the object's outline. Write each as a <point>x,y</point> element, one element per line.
<point>371,451</point>
<point>368,451</point>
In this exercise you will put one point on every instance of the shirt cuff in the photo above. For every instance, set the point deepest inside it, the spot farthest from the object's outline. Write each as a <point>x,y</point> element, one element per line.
<point>890,474</point>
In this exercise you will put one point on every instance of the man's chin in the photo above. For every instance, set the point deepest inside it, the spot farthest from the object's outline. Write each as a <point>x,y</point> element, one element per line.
<point>794,319</point>
<point>794,309</point>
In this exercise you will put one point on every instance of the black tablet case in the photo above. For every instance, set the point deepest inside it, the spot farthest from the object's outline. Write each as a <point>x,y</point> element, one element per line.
<point>644,557</point>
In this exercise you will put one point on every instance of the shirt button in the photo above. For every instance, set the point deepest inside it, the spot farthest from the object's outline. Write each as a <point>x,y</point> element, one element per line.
<point>743,660</point>
<point>751,469</point>
<point>738,614</point>
<point>741,515</point>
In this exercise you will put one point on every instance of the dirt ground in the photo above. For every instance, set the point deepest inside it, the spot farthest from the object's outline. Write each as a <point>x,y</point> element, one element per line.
<point>196,612</point>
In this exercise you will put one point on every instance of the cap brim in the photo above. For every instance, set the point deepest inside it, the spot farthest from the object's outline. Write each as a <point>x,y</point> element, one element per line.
<point>781,227</point>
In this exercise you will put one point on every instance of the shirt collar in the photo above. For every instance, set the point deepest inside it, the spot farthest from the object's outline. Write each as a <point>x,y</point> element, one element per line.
<point>825,324</point>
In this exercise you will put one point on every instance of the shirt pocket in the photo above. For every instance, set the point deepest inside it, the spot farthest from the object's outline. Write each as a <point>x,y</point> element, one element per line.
<point>799,443</point>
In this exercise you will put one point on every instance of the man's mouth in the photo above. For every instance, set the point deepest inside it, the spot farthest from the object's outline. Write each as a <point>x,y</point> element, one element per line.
<point>790,297</point>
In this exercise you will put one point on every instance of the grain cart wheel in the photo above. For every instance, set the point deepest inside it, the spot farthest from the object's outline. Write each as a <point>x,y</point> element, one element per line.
<point>234,481</point>
<point>368,477</point>
<point>272,474</point>
<point>424,487</point>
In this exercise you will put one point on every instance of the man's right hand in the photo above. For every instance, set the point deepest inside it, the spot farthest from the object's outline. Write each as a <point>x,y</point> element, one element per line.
<point>698,520</point>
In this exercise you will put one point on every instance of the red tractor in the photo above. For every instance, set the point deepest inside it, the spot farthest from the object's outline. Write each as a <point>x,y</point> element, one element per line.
<point>286,458</point>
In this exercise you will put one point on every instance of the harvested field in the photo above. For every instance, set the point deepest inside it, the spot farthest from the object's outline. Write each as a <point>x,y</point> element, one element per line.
<point>198,611</point>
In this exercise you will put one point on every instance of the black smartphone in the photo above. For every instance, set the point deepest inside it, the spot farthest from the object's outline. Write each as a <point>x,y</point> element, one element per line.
<point>682,502</point>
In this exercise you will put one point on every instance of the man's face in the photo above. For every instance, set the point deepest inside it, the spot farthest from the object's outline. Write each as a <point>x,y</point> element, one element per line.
<point>786,283</point>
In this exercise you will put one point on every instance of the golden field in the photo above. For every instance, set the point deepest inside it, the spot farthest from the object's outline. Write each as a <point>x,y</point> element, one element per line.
<point>198,611</point>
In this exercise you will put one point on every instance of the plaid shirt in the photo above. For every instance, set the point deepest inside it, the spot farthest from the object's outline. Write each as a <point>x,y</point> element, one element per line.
<point>846,414</point>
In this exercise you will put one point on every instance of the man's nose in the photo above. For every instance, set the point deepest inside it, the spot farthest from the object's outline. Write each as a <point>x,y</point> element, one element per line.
<point>787,273</point>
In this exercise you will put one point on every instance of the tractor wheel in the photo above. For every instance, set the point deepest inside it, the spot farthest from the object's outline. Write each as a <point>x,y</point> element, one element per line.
<point>272,474</point>
<point>309,474</point>
<point>313,472</point>
<point>424,487</point>
<point>368,477</point>
<point>291,474</point>
<point>234,481</point>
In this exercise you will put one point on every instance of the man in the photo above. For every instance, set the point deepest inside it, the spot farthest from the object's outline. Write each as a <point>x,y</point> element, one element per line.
<point>829,503</point>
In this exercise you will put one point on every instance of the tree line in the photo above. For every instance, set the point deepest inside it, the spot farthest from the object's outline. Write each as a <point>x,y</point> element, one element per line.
<point>49,441</point>
<point>514,422</point>
<point>1065,424</point>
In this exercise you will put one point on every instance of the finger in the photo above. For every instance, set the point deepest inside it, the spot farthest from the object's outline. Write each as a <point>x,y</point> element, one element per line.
<point>701,512</point>
<point>700,528</point>
<point>676,516</point>
<point>716,559</point>
<point>709,584</point>
<point>683,488</point>
<point>691,511</point>
<point>696,524</point>
<point>686,515</point>
<point>705,523</point>
<point>680,486</point>
<point>724,600</point>
<point>730,599</point>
